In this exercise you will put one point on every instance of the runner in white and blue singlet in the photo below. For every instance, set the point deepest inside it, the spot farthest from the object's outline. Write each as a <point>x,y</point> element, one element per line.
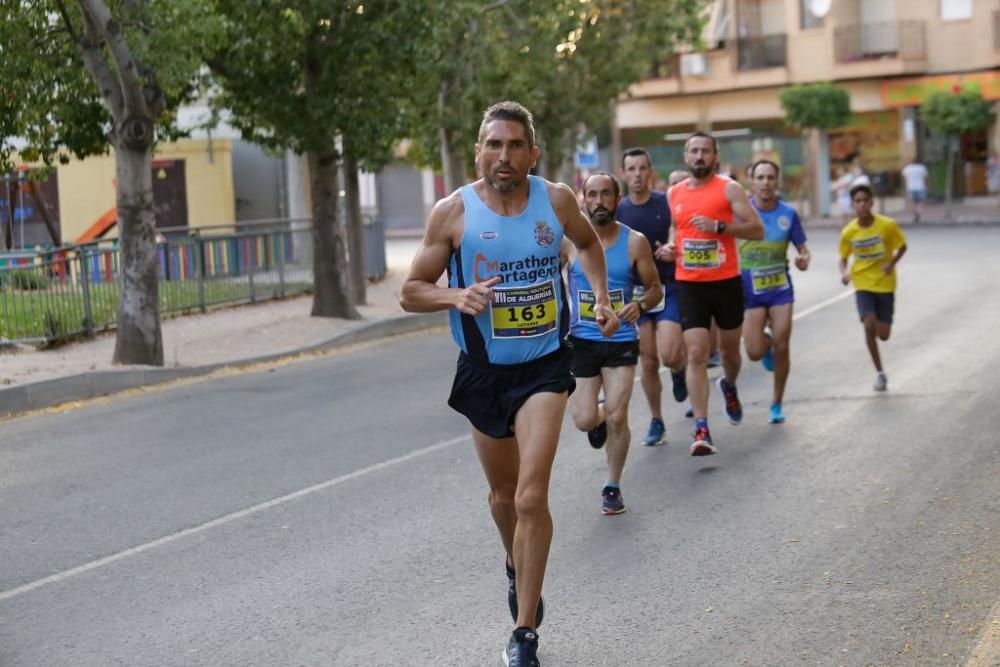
<point>767,284</point>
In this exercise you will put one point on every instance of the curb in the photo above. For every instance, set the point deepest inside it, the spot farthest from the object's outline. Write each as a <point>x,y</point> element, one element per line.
<point>84,386</point>
<point>828,223</point>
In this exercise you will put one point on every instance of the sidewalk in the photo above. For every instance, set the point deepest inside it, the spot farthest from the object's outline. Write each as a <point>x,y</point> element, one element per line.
<point>199,344</point>
<point>970,211</point>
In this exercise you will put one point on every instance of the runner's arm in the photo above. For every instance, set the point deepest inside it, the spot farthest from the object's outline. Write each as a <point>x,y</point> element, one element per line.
<point>421,293</point>
<point>645,268</point>
<point>845,276</point>
<point>891,264</point>
<point>746,222</point>
<point>804,256</point>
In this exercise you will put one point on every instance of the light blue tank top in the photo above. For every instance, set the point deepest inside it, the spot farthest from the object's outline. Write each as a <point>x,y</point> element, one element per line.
<point>528,318</point>
<point>583,324</point>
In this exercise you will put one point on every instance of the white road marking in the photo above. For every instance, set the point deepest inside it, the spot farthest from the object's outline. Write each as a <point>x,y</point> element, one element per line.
<point>295,495</point>
<point>823,304</point>
<point>228,518</point>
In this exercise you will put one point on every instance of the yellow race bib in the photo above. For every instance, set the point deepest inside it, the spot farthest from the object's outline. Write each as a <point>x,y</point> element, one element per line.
<point>701,254</point>
<point>771,279</point>
<point>870,247</point>
<point>587,301</point>
<point>524,312</point>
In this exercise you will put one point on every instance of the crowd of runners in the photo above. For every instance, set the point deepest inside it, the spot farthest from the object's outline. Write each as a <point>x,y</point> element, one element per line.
<point>552,305</point>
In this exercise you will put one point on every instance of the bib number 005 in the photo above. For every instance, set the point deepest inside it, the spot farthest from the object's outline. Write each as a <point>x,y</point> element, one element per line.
<point>701,254</point>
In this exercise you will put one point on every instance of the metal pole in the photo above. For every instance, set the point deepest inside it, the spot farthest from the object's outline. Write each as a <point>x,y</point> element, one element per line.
<point>201,273</point>
<point>281,262</point>
<point>21,177</point>
<point>88,314</point>
<point>251,264</point>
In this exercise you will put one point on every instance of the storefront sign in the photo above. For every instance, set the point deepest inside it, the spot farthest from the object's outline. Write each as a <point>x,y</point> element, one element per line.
<point>914,92</point>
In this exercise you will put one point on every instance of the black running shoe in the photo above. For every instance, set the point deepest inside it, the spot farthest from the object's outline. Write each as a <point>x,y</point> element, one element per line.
<point>680,386</point>
<point>512,597</point>
<point>734,409</point>
<point>522,649</point>
<point>598,435</point>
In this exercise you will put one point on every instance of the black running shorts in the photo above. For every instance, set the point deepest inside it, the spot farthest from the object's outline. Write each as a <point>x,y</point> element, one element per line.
<point>701,301</point>
<point>590,356</point>
<point>489,396</point>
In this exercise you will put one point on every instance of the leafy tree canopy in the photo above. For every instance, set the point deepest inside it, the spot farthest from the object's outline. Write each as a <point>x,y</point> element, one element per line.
<point>816,105</point>
<point>957,112</point>
<point>50,107</point>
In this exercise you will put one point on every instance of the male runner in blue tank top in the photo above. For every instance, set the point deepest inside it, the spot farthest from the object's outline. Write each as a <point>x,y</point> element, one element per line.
<point>499,238</point>
<point>767,285</point>
<point>602,361</point>
<point>660,336</point>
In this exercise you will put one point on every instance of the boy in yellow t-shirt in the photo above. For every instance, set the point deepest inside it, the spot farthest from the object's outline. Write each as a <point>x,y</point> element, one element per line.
<point>877,245</point>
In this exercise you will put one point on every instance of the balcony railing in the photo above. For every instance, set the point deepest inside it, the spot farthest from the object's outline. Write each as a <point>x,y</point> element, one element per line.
<point>761,52</point>
<point>904,40</point>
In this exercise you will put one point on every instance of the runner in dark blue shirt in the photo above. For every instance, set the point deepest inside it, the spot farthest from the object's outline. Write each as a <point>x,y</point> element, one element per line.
<point>660,337</point>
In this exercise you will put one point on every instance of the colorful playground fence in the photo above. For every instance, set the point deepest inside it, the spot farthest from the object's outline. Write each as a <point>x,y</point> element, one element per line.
<point>71,291</point>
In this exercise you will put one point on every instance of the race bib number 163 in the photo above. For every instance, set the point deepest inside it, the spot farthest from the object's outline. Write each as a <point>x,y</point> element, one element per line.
<point>523,312</point>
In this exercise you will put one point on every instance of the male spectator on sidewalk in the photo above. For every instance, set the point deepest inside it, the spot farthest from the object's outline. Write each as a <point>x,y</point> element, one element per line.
<point>709,213</point>
<point>877,245</point>
<point>602,362</point>
<point>499,239</point>
<point>660,338</point>
<point>915,175</point>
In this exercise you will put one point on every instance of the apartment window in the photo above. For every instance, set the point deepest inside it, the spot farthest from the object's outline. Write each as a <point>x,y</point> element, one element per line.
<point>809,17</point>
<point>956,9</point>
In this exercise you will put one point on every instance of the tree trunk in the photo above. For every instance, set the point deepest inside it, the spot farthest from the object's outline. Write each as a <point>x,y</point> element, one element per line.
<point>355,229</point>
<point>332,293</point>
<point>823,172</point>
<point>453,167</point>
<point>53,232</point>
<point>8,235</point>
<point>139,339</point>
<point>808,191</point>
<point>949,177</point>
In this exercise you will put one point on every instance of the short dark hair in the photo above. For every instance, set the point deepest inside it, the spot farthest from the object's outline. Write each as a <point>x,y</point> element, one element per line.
<point>862,187</point>
<point>634,152</point>
<point>512,111</point>
<point>706,135</point>
<point>614,181</point>
<point>753,167</point>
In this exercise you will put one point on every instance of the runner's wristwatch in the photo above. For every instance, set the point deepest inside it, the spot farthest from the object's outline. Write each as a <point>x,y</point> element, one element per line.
<point>642,307</point>
<point>720,226</point>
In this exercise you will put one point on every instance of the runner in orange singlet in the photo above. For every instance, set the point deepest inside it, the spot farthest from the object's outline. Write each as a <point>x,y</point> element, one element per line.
<point>709,213</point>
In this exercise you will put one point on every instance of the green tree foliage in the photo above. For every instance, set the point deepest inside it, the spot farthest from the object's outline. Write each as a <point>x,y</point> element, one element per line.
<point>80,76</point>
<point>816,108</point>
<point>822,106</point>
<point>957,112</point>
<point>567,61</point>
<point>951,114</point>
<point>315,76</point>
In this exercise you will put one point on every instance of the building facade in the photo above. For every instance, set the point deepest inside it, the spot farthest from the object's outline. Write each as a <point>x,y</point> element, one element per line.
<point>887,54</point>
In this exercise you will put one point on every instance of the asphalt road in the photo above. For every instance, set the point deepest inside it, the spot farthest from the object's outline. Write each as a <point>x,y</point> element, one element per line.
<point>332,512</point>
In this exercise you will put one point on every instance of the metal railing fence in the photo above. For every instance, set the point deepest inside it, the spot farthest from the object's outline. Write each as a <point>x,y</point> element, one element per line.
<point>905,40</point>
<point>72,291</point>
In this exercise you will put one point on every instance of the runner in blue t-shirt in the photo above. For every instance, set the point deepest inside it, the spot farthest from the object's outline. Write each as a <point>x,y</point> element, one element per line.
<point>660,337</point>
<point>767,285</point>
